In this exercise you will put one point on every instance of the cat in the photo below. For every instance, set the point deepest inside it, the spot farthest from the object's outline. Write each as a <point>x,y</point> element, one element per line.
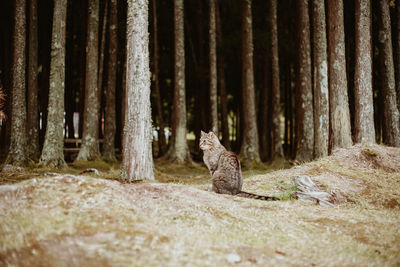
<point>224,168</point>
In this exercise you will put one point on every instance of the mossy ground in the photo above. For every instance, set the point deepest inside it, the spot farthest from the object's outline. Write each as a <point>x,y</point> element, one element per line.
<point>67,219</point>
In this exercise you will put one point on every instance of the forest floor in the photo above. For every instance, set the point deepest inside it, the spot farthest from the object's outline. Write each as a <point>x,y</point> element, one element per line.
<point>72,219</point>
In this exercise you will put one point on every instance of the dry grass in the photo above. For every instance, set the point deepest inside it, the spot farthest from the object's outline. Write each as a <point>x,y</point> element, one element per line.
<point>72,220</point>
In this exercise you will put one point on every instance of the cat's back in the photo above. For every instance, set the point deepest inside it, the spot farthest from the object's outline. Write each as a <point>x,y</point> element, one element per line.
<point>229,161</point>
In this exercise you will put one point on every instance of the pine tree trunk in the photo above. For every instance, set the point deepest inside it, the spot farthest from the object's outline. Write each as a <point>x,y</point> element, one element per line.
<point>110,113</point>
<point>264,120</point>
<point>249,147</point>
<point>391,131</point>
<point>213,69</point>
<point>179,150</point>
<point>17,151</point>
<point>161,135</point>
<point>221,83</point>
<point>137,161</point>
<point>364,103</point>
<point>321,92</point>
<point>304,103</point>
<point>90,143</point>
<point>52,153</point>
<point>339,103</point>
<point>33,109</point>
<point>276,141</point>
<point>398,54</point>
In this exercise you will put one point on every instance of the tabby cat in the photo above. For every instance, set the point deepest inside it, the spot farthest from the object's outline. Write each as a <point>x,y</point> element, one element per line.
<point>224,168</point>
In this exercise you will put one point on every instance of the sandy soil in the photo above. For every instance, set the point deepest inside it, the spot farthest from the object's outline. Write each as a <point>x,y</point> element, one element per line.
<point>78,220</point>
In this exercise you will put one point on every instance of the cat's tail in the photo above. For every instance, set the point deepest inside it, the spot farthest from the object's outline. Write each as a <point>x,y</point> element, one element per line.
<point>251,195</point>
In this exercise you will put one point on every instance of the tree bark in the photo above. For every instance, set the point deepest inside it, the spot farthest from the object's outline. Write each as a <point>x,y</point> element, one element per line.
<point>52,153</point>
<point>321,91</point>
<point>221,83</point>
<point>391,127</point>
<point>90,143</point>
<point>179,150</point>
<point>276,141</point>
<point>137,160</point>
<point>249,148</point>
<point>339,103</point>
<point>304,105</point>
<point>33,109</point>
<point>110,113</point>
<point>17,151</point>
<point>364,103</point>
<point>161,135</point>
<point>213,69</point>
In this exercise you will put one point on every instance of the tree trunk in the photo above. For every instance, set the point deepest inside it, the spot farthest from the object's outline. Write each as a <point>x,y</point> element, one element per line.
<point>161,135</point>
<point>110,113</point>
<point>276,141</point>
<point>398,54</point>
<point>321,92</point>
<point>17,151</point>
<point>391,131</point>
<point>249,148</point>
<point>179,150</point>
<point>221,83</point>
<point>339,103</point>
<point>264,123</point>
<point>52,153</point>
<point>213,70</point>
<point>137,160</point>
<point>364,103</point>
<point>33,109</point>
<point>90,143</point>
<point>304,105</point>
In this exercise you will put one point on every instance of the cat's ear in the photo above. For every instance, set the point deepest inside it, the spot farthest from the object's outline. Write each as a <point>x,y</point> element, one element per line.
<point>211,134</point>
<point>202,133</point>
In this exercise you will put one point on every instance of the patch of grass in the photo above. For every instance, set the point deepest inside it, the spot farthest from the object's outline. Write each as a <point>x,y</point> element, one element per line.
<point>98,164</point>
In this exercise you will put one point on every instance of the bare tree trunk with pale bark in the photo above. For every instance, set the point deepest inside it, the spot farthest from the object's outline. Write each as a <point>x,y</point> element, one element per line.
<point>90,143</point>
<point>137,160</point>
<point>53,148</point>
<point>179,150</point>
<point>338,96</point>
<point>321,91</point>
<point>363,94</point>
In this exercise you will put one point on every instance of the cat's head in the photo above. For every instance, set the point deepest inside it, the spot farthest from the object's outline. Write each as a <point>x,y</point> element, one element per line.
<point>208,140</point>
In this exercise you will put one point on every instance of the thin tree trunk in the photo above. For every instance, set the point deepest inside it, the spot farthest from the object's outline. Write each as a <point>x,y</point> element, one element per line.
<point>90,143</point>
<point>137,161</point>
<point>338,97</point>
<point>265,112</point>
<point>221,83</point>
<point>52,153</point>
<point>249,148</point>
<point>398,54</point>
<point>33,109</point>
<point>17,151</point>
<point>304,105</point>
<point>391,131</point>
<point>364,104</point>
<point>179,150</point>
<point>161,135</point>
<point>276,141</point>
<point>110,113</point>
<point>321,92</point>
<point>213,69</point>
